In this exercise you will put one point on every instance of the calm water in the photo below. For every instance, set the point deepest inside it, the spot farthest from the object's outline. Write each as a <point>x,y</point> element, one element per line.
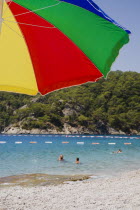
<point>19,156</point>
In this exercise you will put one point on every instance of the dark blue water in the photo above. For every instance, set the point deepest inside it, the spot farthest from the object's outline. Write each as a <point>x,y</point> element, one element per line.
<point>19,156</point>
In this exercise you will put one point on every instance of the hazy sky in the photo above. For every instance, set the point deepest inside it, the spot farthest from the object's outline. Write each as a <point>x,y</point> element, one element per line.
<point>127,13</point>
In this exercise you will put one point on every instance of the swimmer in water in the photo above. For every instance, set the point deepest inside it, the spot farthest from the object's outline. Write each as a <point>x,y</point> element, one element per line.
<point>77,161</point>
<point>61,158</point>
<point>119,151</point>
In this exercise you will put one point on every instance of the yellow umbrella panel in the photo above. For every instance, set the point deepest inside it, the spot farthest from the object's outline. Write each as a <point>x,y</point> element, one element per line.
<point>16,70</point>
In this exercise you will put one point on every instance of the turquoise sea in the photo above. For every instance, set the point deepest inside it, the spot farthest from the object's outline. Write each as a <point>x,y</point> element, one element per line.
<point>27,154</point>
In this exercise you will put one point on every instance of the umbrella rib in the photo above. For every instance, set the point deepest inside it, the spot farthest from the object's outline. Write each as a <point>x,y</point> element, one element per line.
<point>99,10</point>
<point>12,30</point>
<point>105,15</point>
<point>35,10</point>
<point>28,24</point>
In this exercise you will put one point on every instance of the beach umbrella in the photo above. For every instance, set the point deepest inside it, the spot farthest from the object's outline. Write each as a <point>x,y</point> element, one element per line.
<point>47,45</point>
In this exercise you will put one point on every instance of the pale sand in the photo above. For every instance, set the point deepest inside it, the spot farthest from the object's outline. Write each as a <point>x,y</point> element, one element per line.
<point>121,192</point>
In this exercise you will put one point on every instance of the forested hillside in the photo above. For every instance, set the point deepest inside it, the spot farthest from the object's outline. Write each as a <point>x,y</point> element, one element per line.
<point>89,108</point>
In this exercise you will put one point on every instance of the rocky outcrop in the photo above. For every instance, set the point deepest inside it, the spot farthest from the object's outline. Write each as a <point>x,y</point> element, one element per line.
<point>114,132</point>
<point>67,129</point>
<point>19,130</point>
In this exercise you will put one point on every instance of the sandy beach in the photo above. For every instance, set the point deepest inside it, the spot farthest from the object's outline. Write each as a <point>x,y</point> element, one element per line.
<point>120,192</point>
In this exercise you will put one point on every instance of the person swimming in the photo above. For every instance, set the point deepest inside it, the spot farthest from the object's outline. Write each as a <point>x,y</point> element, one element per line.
<point>61,158</point>
<point>118,151</point>
<point>77,161</point>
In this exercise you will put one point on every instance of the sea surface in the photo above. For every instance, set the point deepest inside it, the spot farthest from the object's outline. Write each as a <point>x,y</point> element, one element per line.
<point>30,154</point>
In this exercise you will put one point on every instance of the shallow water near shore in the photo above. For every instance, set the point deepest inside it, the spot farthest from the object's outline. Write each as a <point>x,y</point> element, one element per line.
<point>38,154</point>
<point>32,180</point>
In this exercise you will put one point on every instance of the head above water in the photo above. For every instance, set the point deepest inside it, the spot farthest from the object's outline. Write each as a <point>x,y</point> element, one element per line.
<point>61,157</point>
<point>77,161</point>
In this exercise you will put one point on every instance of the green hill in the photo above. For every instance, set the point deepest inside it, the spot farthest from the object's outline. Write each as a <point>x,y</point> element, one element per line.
<point>98,107</point>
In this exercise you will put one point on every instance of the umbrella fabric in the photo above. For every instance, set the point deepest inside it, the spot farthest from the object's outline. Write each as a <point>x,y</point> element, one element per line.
<point>49,44</point>
<point>92,7</point>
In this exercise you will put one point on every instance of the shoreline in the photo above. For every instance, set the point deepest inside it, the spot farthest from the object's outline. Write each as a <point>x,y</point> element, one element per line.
<point>16,131</point>
<point>120,192</point>
<point>72,134</point>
